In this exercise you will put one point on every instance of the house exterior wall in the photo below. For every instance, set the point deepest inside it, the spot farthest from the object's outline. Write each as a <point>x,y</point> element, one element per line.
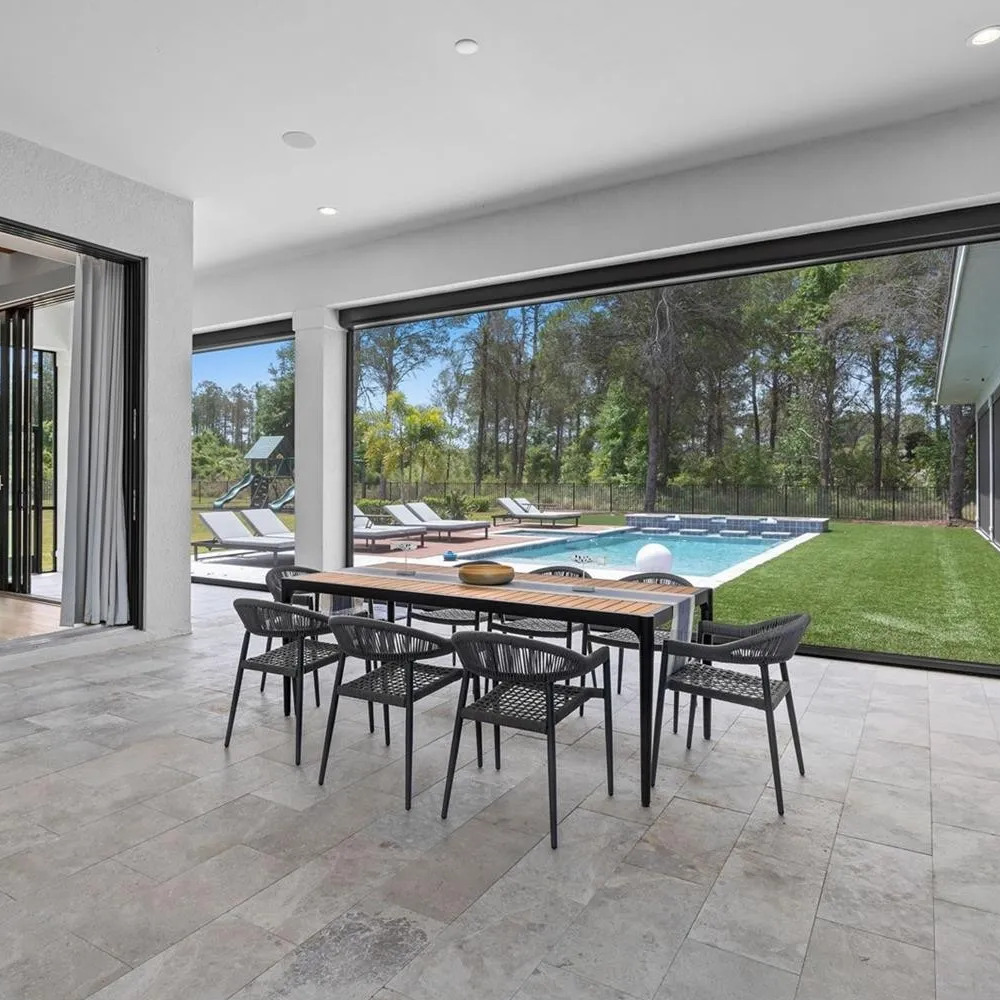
<point>43,188</point>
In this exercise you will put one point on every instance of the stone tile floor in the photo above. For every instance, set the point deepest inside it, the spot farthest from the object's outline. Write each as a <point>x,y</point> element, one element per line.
<point>139,859</point>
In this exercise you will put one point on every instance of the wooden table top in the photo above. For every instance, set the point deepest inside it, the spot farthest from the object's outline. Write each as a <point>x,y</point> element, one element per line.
<point>619,597</point>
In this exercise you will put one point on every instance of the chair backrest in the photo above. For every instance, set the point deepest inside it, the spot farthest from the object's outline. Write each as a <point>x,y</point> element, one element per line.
<point>403,514</point>
<point>278,621</point>
<point>672,578</point>
<point>224,524</point>
<point>512,659</point>
<point>370,639</point>
<point>560,571</point>
<point>361,522</point>
<point>771,641</point>
<point>265,522</point>
<point>509,505</point>
<point>274,577</point>
<point>425,513</point>
<point>528,506</point>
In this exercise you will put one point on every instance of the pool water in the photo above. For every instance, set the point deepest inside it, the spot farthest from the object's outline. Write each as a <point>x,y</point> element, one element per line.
<point>698,555</point>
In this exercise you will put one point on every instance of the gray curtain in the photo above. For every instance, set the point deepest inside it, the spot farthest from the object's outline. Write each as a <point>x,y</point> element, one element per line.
<point>94,551</point>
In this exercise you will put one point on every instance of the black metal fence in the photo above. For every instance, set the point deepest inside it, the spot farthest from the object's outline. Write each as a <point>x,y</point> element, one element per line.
<point>915,504</point>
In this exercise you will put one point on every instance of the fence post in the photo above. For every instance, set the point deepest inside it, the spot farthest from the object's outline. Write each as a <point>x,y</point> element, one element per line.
<point>894,503</point>
<point>737,498</point>
<point>573,504</point>
<point>538,494</point>
<point>611,498</point>
<point>786,499</point>
<point>692,498</point>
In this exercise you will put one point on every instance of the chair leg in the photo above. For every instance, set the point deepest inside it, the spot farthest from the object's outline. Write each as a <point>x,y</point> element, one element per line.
<point>408,751</point>
<point>706,717</point>
<point>456,739</point>
<point>550,738</point>
<point>297,690</point>
<point>792,721</point>
<point>479,726</point>
<point>609,736</point>
<point>691,713</point>
<point>286,685</point>
<point>232,707</point>
<point>371,705</point>
<point>315,674</point>
<point>263,680</point>
<point>496,746</point>
<point>385,722</point>
<point>334,698</point>
<point>677,709</point>
<point>772,738</point>
<point>621,664</point>
<point>658,719</point>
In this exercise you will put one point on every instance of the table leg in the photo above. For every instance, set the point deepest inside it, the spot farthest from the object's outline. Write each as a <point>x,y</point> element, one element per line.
<point>390,611</point>
<point>645,632</point>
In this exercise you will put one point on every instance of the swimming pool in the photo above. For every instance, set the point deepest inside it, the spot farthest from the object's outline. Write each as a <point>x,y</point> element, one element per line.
<point>704,555</point>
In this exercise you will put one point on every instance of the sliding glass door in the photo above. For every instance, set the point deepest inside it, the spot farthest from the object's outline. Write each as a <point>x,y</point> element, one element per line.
<point>17,499</point>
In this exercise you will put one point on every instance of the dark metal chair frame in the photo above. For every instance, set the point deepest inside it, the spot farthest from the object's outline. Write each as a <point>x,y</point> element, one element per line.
<point>531,690</point>
<point>300,652</point>
<point>399,676</point>
<point>761,644</point>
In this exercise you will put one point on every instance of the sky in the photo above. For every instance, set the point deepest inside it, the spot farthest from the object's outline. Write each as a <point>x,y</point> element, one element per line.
<point>249,365</point>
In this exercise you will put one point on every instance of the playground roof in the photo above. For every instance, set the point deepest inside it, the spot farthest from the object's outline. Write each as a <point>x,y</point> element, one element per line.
<point>265,447</point>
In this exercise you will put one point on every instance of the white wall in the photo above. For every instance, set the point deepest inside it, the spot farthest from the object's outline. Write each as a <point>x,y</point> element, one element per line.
<point>43,188</point>
<point>943,161</point>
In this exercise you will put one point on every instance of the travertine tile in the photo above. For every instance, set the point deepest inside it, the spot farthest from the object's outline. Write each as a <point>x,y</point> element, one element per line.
<point>968,952</point>
<point>888,814</point>
<point>844,962</point>
<point>884,890</point>
<point>902,764</point>
<point>700,972</point>
<point>967,801</point>
<point>967,867</point>
<point>729,780</point>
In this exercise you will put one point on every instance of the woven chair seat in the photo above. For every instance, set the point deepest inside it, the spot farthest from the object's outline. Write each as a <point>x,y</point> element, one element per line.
<point>626,637</point>
<point>523,705</point>
<point>387,684</point>
<point>534,626</point>
<point>446,616</point>
<point>285,659</point>
<point>725,685</point>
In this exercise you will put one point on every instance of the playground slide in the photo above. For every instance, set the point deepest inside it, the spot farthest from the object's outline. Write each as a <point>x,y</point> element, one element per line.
<point>232,493</point>
<point>285,498</point>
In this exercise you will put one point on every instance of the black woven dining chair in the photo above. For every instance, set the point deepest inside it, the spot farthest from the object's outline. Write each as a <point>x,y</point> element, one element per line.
<point>760,645</point>
<point>534,627</point>
<point>399,675</point>
<point>274,579</point>
<point>300,652</point>
<point>532,690</point>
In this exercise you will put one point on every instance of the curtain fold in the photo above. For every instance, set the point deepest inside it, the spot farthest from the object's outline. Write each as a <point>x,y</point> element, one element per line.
<point>95,581</point>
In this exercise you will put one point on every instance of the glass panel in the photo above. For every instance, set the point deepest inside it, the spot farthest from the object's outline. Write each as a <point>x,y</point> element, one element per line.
<point>776,432</point>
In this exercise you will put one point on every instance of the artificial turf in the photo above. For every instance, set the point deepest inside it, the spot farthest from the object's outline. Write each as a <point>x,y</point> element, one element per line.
<point>925,590</point>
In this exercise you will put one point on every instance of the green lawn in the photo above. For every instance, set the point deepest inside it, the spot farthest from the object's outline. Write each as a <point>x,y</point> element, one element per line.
<point>901,588</point>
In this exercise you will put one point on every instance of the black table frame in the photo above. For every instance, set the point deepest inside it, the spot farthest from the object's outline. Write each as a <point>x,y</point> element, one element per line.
<point>392,590</point>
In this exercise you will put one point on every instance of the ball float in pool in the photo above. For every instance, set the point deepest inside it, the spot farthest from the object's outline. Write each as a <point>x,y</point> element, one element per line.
<point>654,558</point>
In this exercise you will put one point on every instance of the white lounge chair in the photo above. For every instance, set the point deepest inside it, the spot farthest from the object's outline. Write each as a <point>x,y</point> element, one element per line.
<point>267,524</point>
<point>405,516</point>
<point>430,516</point>
<point>229,532</point>
<point>522,509</point>
<point>371,533</point>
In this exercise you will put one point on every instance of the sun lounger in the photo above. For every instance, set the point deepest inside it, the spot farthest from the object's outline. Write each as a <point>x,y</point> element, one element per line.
<point>524,510</point>
<point>372,533</point>
<point>429,516</point>
<point>229,532</point>
<point>267,524</point>
<point>405,516</point>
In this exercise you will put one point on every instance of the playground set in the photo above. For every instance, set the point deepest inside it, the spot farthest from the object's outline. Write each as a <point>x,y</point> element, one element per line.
<point>270,460</point>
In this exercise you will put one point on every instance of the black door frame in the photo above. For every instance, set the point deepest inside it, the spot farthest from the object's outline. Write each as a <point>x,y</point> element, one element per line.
<point>134,408</point>
<point>931,230</point>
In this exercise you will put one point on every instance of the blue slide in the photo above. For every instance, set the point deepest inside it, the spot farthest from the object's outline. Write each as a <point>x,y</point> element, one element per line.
<point>287,497</point>
<point>245,483</point>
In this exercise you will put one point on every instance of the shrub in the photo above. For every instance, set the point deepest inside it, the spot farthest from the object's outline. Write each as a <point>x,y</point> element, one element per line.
<point>372,506</point>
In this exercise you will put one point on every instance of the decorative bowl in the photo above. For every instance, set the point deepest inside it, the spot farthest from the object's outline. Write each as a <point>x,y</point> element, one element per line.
<point>485,574</point>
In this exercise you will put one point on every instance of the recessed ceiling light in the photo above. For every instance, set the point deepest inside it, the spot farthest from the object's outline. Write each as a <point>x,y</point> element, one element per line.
<point>466,46</point>
<point>326,210</point>
<point>298,140</point>
<point>985,36</point>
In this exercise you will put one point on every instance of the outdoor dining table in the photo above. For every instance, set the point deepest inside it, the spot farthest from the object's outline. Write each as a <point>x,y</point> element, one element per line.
<point>641,607</point>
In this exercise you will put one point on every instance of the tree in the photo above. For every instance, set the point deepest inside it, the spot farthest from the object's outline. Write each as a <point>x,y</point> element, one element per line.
<point>276,401</point>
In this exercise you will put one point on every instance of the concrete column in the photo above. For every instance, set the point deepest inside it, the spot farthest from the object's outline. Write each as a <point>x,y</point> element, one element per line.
<point>321,381</point>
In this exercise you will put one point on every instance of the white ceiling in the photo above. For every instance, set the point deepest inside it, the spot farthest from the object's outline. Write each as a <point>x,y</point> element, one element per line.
<point>192,97</point>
